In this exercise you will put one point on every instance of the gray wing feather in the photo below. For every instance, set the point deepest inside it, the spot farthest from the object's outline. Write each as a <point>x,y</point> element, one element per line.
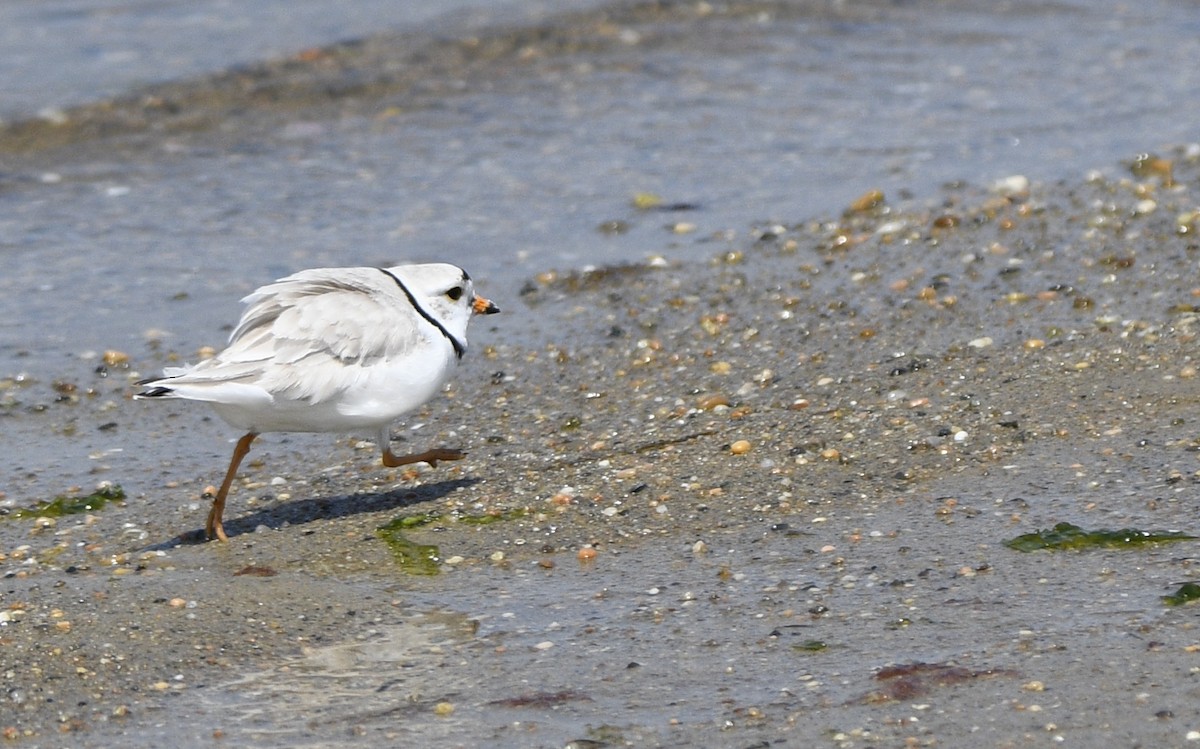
<point>331,324</point>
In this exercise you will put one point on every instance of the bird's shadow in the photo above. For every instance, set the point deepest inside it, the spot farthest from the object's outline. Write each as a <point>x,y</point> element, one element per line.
<point>301,511</point>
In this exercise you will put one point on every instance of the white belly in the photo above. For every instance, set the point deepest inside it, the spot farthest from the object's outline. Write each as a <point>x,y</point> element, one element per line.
<point>368,398</point>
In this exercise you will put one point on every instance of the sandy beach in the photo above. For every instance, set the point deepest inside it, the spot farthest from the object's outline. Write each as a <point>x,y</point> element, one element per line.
<point>751,487</point>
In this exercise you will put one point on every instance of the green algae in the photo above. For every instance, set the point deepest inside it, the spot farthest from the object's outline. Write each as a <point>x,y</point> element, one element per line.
<point>1186,593</point>
<point>1068,536</point>
<point>425,559</point>
<point>488,518</point>
<point>413,558</point>
<point>67,505</point>
<point>414,521</point>
<point>810,646</point>
<point>426,518</point>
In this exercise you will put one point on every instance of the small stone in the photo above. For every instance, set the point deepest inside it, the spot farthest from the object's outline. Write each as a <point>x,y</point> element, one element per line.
<point>442,709</point>
<point>587,554</point>
<point>644,201</point>
<point>1016,186</point>
<point>741,447</point>
<point>870,199</point>
<point>983,342</point>
<point>116,358</point>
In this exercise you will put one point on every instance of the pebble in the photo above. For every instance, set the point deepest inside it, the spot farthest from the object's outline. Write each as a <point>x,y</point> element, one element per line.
<point>868,200</point>
<point>115,358</point>
<point>709,402</point>
<point>1012,187</point>
<point>586,554</point>
<point>644,201</point>
<point>983,342</point>
<point>740,447</point>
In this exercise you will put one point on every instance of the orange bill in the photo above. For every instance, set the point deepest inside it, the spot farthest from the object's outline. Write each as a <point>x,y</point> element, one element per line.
<point>482,306</point>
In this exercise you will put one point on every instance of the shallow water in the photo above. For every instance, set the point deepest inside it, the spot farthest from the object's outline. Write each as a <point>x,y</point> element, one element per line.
<point>774,116</point>
<point>62,53</point>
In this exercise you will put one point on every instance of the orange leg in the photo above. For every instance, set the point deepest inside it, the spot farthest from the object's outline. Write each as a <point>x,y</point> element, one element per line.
<point>429,456</point>
<point>214,525</point>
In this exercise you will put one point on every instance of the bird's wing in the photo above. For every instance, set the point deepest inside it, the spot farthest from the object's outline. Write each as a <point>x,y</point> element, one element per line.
<point>310,336</point>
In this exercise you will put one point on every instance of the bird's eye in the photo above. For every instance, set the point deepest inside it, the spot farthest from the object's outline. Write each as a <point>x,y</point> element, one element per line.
<point>455,294</point>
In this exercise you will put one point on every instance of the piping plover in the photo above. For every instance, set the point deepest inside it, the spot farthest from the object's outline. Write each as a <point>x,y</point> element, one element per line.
<point>333,350</point>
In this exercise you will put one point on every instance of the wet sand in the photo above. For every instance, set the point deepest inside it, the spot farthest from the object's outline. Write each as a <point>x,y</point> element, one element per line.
<point>753,496</point>
<point>913,387</point>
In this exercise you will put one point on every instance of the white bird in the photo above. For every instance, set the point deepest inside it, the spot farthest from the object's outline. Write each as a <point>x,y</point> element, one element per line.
<point>333,350</point>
